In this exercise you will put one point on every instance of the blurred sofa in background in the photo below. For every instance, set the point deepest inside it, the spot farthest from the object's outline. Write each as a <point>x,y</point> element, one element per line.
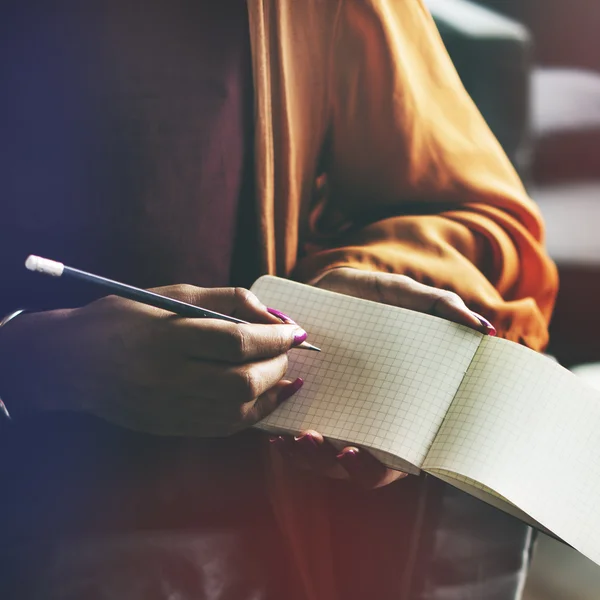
<point>492,55</point>
<point>533,68</point>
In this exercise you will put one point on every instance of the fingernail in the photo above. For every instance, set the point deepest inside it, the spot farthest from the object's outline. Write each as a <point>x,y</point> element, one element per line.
<point>284,445</point>
<point>491,330</point>
<point>349,457</point>
<point>277,313</point>
<point>277,441</point>
<point>307,443</point>
<point>289,390</point>
<point>300,336</point>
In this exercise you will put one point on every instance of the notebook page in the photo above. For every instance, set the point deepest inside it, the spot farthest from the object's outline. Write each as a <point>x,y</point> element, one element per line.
<point>385,377</point>
<point>529,430</point>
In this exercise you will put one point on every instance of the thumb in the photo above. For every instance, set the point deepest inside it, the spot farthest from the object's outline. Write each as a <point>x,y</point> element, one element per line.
<point>450,306</point>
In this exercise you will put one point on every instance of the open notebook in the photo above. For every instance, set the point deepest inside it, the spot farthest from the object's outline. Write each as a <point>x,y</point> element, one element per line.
<point>493,418</point>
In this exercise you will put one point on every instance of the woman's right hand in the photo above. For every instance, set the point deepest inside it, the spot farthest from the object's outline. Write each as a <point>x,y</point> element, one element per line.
<point>149,370</point>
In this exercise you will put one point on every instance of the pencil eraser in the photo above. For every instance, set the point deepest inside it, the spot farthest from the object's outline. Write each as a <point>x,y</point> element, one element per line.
<point>44,265</point>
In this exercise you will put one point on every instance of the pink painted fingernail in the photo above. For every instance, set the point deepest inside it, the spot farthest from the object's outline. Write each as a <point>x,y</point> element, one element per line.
<point>277,441</point>
<point>349,456</point>
<point>491,330</point>
<point>300,336</point>
<point>352,461</point>
<point>289,390</point>
<point>277,313</point>
<point>307,444</point>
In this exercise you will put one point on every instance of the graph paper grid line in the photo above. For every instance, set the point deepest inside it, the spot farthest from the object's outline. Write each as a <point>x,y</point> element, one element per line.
<point>385,377</point>
<point>527,429</point>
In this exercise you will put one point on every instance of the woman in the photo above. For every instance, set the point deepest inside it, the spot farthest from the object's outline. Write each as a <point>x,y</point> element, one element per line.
<point>183,142</point>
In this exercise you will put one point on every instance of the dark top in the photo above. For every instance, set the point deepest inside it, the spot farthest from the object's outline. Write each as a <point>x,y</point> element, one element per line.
<point>126,151</point>
<point>126,142</point>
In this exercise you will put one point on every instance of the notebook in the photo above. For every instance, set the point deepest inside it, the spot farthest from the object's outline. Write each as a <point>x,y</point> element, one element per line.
<point>493,418</point>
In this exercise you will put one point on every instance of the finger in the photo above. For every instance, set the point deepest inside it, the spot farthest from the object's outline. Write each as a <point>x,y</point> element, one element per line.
<point>266,403</point>
<point>204,416</point>
<point>400,290</point>
<point>245,305</point>
<point>451,307</point>
<point>210,339</point>
<point>387,288</point>
<point>234,385</point>
<point>236,302</point>
<point>281,317</point>
<point>290,451</point>
<point>365,470</point>
<point>309,450</point>
<point>488,327</point>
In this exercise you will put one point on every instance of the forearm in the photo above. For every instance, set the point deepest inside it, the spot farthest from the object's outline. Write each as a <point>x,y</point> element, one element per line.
<point>416,183</point>
<point>499,269</point>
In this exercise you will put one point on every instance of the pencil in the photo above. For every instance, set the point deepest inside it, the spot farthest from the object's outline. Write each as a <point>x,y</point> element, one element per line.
<point>183,309</point>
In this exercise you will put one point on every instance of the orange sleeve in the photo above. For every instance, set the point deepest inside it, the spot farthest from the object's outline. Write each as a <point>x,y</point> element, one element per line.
<point>415,181</point>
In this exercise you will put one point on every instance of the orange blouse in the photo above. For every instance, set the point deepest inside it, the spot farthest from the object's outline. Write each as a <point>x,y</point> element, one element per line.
<point>370,154</point>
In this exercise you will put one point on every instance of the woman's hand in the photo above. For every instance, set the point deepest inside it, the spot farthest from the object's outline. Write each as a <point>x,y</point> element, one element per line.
<point>310,450</point>
<point>150,370</point>
<point>400,290</point>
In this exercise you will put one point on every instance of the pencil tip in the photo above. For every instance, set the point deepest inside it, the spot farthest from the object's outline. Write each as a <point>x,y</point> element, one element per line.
<point>308,346</point>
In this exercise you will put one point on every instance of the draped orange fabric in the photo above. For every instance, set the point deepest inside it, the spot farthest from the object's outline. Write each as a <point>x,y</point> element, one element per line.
<point>370,154</point>
<point>363,93</point>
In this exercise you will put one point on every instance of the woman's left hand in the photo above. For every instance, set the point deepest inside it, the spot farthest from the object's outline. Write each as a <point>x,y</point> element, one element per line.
<point>310,450</point>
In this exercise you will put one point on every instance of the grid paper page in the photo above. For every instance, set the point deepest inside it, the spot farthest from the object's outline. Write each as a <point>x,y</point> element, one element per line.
<point>488,495</point>
<point>529,430</point>
<point>385,377</point>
